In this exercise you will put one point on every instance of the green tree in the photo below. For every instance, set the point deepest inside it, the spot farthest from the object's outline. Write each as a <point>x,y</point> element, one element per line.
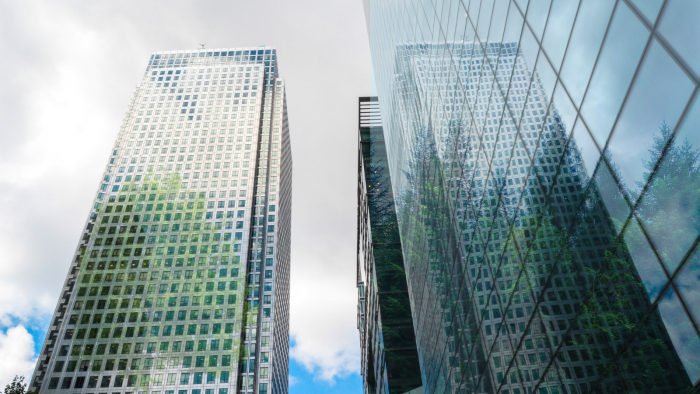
<point>670,207</point>
<point>17,386</point>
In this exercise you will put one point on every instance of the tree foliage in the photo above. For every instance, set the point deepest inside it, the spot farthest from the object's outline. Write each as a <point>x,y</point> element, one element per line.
<point>17,386</point>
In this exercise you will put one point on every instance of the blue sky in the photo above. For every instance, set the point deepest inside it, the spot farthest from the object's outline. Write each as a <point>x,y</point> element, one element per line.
<point>305,382</point>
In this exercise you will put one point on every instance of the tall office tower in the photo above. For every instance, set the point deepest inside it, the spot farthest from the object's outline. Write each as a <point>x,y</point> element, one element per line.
<point>180,282</point>
<point>389,356</point>
<point>541,186</point>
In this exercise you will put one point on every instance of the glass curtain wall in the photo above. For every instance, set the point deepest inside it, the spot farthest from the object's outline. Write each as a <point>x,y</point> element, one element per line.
<point>544,161</point>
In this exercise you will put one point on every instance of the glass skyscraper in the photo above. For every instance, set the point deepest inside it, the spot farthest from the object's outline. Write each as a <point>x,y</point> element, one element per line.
<point>389,355</point>
<point>544,165</point>
<point>180,282</point>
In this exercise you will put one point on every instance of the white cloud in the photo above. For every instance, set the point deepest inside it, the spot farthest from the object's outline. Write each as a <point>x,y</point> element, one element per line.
<point>16,354</point>
<point>324,330</point>
<point>62,97</point>
<point>293,380</point>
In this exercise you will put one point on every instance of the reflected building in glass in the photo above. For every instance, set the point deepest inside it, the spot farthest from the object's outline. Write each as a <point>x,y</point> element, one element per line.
<point>180,282</point>
<point>543,162</point>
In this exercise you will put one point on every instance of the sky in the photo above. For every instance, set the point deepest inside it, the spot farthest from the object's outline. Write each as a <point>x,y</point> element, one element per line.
<point>68,71</point>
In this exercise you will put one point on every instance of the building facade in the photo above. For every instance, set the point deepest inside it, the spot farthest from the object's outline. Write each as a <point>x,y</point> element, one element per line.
<point>541,156</point>
<point>389,356</point>
<point>180,282</point>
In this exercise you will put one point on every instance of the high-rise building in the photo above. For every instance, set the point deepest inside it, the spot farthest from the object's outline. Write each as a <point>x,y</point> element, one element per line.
<point>541,157</point>
<point>180,281</point>
<point>389,355</point>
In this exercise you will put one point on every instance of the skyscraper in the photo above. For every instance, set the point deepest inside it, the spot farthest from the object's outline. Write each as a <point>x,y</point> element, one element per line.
<point>548,237</point>
<point>180,282</point>
<point>389,355</point>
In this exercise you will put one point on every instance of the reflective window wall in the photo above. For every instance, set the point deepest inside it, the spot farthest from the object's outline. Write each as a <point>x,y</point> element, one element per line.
<point>544,158</point>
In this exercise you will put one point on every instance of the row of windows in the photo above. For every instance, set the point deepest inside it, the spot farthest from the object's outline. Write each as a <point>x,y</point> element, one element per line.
<point>171,196</point>
<point>194,314</point>
<point>217,105</point>
<point>175,227</point>
<point>215,174</point>
<point>150,363</point>
<point>195,133</point>
<point>126,348</point>
<point>170,251</point>
<point>208,300</point>
<point>131,381</point>
<point>171,206</point>
<point>209,157</point>
<point>252,115</point>
<point>152,347</point>
<point>145,316</point>
<point>168,217</point>
<point>184,238</point>
<point>154,275</point>
<point>194,141</point>
<point>165,287</point>
<point>143,276</point>
<point>158,263</point>
<point>207,76</point>
<point>167,100</point>
<point>162,289</point>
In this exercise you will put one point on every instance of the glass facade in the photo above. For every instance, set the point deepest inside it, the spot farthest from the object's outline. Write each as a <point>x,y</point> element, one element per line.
<point>389,355</point>
<point>543,158</point>
<point>180,282</point>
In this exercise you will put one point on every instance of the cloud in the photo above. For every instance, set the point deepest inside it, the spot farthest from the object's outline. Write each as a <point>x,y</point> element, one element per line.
<point>16,354</point>
<point>293,380</point>
<point>325,334</point>
<point>62,97</point>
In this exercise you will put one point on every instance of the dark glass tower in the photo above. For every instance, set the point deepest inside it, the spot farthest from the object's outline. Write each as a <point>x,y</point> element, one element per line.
<point>389,356</point>
<point>541,187</point>
<point>180,283</point>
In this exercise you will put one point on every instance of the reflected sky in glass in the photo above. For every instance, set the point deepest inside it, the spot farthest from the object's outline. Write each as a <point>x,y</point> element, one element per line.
<point>595,79</point>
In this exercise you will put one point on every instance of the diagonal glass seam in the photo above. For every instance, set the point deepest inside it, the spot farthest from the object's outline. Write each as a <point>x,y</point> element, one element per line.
<point>650,241</point>
<point>594,283</point>
<point>652,308</point>
<point>595,64</point>
<point>455,263</point>
<point>539,299</point>
<point>695,95</point>
<point>538,141</point>
<point>536,312</point>
<point>618,183</point>
<point>522,272</point>
<point>685,258</point>
<point>622,107</point>
<point>684,304</point>
<point>680,62</point>
<point>527,95</point>
<point>491,21</point>
<point>648,312</point>
<point>454,317</point>
<point>642,59</point>
<point>517,348</point>
<point>623,347</point>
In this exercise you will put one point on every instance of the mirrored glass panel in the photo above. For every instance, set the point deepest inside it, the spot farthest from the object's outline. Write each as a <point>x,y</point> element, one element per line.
<point>543,157</point>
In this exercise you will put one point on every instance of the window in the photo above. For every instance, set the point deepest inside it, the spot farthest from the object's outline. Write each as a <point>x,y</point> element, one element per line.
<point>198,376</point>
<point>53,383</point>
